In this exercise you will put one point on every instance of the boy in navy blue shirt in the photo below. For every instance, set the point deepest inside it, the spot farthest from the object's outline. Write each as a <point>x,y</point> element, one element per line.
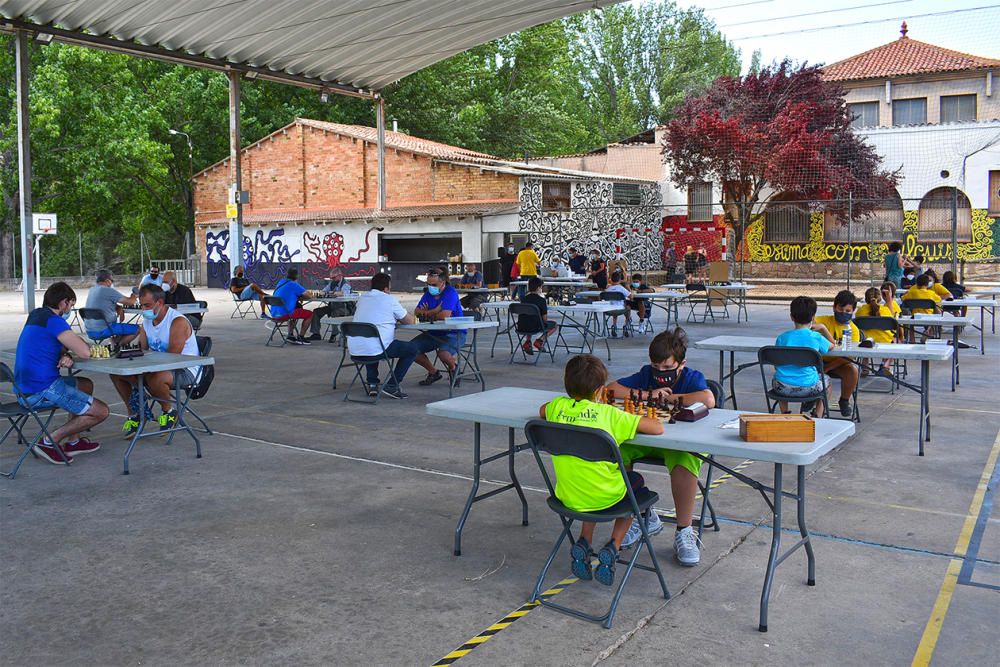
<point>667,374</point>
<point>439,302</point>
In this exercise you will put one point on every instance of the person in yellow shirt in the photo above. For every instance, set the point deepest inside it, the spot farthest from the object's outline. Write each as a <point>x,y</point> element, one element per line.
<point>874,308</point>
<point>842,367</point>
<point>527,265</point>
<point>922,290</point>
<point>935,286</point>
<point>889,298</point>
<point>590,486</point>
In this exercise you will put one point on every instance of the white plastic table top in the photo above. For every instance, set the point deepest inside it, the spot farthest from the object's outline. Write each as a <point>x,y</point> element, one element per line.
<point>557,282</point>
<point>481,290</point>
<point>731,287</point>
<point>497,305</point>
<point>150,362</point>
<point>652,296</point>
<point>596,307</point>
<point>448,325</point>
<point>935,320</point>
<point>514,406</point>
<point>892,350</point>
<point>186,308</point>
<point>969,301</point>
<point>334,299</point>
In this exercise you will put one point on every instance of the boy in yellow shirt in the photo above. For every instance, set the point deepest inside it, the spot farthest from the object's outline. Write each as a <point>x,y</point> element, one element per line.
<point>922,290</point>
<point>842,367</point>
<point>590,486</point>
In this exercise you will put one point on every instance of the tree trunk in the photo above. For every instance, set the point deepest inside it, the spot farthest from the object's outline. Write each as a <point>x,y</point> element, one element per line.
<point>6,254</point>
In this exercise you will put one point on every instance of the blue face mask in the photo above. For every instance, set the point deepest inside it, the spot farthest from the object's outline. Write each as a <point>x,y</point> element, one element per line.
<point>433,290</point>
<point>636,285</point>
<point>149,314</point>
<point>842,318</point>
<point>66,316</point>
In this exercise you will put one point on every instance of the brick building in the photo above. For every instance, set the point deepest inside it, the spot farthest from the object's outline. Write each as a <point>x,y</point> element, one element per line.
<point>313,204</point>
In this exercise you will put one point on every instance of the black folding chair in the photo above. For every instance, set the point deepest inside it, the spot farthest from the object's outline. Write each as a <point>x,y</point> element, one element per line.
<point>528,323</point>
<point>592,445</point>
<point>909,305</point>
<point>243,307</point>
<point>366,330</point>
<point>704,487</point>
<point>890,325</point>
<point>198,390</point>
<point>774,355</point>
<point>623,312</point>
<point>196,318</point>
<point>17,416</point>
<point>280,327</point>
<point>698,296</point>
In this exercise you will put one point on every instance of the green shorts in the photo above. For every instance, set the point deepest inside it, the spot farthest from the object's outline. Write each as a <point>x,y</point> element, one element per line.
<point>671,457</point>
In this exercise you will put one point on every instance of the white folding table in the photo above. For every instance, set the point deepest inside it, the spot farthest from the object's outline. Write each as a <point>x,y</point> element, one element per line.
<point>666,301</point>
<point>956,323</point>
<point>983,305</point>
<point>591,328</point>
<point>922,353</point>
<point>734,293</point>
<point>468,361</point>
<point>513,407</point>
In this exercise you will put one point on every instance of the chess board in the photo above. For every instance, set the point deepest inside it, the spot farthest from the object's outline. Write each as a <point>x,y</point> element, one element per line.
<point>640,403</point>
<point>102,351</point>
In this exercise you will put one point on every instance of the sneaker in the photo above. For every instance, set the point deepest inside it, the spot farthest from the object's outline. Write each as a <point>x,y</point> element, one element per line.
<point>614,331</point>
<point>81,446</point>
<point>130,426</point>
<point>642,326</point>
<point>845,407</point>
<point>315,337</point>
<point>304,341</point>
<point>627,329</point>
<point>372,392</point>
<point>526,346</point>
<point>539,344</point>
<point>883,372</point>
<point>294,340</point>
<point>654,525</point>
<point>686,547</point>
<point>168,420</point>
<point>582,555</point>
<point>394,392</point>
<point>605,572</point>
<point>51,454</point>
<point>431,379</point>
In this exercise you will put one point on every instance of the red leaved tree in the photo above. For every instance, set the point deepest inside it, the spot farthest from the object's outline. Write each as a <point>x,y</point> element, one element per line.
<point>781,129</point>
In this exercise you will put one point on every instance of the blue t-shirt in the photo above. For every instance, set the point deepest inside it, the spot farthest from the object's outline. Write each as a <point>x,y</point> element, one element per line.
<point>38,350</point>
<point>288,291</point>
<point>578,264</point>
<point>448,300</point>
<point>800,376</point>
<point>689,381</point>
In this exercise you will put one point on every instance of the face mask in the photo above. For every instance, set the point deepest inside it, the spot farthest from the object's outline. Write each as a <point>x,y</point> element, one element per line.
<point>593,256</point>
<point>433,290</point>
<point>67,315</point>
<point>909,276</point>
<point>930,283</point>
<point>842,318</point>
<point>470,273</point>
<point>665,378</point>
<point>636,285</point>
<point>149,314</point>
<point>510,249</point>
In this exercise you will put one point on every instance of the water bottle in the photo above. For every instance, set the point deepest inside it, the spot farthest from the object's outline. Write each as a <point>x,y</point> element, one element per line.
<point>845,338</point>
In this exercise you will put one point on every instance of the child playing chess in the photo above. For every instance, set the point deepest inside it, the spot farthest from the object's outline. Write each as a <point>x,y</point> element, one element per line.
<point>589,486</point>
<point>667,375</point>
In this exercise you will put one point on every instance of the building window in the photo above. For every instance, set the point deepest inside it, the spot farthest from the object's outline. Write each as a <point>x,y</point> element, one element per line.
<point>934,219</point>
<point>625,194</point>
<point>700,202</point>
<point>994,205</point>
<point>786,220</point>
<point>555,195</point>
<point>958,108</point>
<point>863,114</point>
<point>909,112</point>
<point>883,223</point>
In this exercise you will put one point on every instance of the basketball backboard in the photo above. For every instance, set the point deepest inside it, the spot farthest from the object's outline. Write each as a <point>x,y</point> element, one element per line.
<point>43,223</point>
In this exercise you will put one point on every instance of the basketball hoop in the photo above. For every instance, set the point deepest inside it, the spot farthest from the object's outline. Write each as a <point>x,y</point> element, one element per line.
<point>44,224</point>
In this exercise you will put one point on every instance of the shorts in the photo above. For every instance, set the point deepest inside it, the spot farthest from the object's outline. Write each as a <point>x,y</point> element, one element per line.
<point>297,314</point>
<point>671,458</point>
<point>62,393</point>
<point>795,391</point>
<point>247,293</point>
<point>451,343</point>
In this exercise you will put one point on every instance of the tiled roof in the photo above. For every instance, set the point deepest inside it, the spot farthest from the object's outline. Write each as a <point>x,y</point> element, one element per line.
<point>397,140</point>
<point>903,57</point>
<point>428,210</point>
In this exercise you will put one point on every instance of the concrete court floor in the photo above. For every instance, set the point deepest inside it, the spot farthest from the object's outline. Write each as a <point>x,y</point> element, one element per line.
<point>319,532</point>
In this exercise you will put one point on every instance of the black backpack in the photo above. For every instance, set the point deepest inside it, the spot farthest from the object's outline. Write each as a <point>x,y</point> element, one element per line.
<point>200,390</point>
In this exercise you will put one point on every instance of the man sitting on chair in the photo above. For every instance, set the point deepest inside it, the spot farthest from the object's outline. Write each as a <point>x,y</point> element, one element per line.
<point>336,285</point>
<point>178,294</point>
<point>289,291</point>
<point>246,290</point>
<point>163,330</point>
<point>105,298</point>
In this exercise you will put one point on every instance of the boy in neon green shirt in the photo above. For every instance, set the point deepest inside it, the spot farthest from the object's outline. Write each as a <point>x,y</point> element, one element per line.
<point>589,486</point>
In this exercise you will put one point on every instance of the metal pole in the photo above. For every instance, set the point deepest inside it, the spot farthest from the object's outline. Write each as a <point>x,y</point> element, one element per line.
<point>235,177</point>
<point>380,126</point>
<point>743,232</point>
<point>24,170</point>
<point>38,260</point>
<point>79,242</point>
<point>954,230</point>
<point>850,223</point>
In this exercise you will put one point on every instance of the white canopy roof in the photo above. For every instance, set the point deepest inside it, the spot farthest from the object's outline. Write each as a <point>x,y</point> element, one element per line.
<point>347,46</point>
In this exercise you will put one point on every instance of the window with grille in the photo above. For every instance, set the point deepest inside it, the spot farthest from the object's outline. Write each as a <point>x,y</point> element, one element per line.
<point>934,218</point>
<point>863,114</point>
<point>786,222</point>
<point>883,223</point>
<point>555,195</point>
<point>625,194</point>
<point>994,205</point>
<point>700,202</point>
<point>958,108</point>
<point>911,111</point>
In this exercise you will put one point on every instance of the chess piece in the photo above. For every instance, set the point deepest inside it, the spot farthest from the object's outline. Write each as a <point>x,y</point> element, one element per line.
<point>610,396</point>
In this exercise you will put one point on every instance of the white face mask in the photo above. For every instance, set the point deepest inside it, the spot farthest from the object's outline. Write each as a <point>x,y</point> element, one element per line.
<point>930,283</point>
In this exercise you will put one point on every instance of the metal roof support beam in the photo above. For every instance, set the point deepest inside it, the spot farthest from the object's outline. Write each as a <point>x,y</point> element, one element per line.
<point>380,128</point>
<point>235,177</point>
<point>24,171</point>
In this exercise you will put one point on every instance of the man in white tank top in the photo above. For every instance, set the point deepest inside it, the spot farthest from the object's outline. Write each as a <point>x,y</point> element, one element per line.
<point>163,330</point>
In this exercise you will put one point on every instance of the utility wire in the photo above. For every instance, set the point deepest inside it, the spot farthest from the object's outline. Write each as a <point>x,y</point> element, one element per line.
<point>825,11</point>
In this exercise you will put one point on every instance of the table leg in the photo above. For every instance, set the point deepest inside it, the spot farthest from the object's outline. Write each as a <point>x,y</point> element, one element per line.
<point>732,377</point>
<point>772,559</point>
<point>141,388</point>
<point>511,451</point>
<point>478,372</point>
<point>924,431</point>
<point>982,331</point>
<point>956,370</point>
<point>472,492</point>
<point>803,530</point>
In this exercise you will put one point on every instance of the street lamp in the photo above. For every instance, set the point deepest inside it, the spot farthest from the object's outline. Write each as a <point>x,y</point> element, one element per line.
<point>190,188</point>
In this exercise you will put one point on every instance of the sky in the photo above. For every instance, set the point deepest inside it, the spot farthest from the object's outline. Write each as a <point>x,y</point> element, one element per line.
<point>825,32</point>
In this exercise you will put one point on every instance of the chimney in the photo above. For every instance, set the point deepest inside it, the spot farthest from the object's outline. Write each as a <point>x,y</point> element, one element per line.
<point>395,126</point>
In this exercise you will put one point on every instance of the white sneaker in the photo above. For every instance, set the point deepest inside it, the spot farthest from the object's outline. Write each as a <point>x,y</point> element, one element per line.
<point>686,546</point>
<point>653,526</point>
<point>642,327</point>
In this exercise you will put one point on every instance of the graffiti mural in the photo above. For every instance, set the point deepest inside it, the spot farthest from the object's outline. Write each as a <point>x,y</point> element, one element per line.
<point>328,252</point>
<point>266,255</point>
<point>984,231</point>
<point>594,221</point>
